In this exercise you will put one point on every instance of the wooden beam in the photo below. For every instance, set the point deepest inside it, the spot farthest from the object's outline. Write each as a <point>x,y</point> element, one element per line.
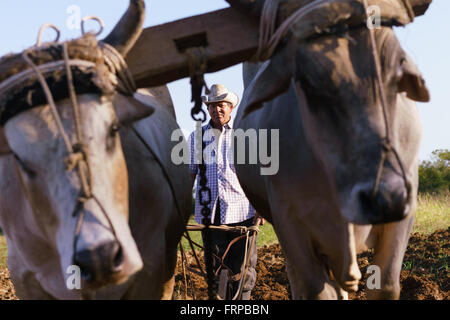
<point>228,37</point>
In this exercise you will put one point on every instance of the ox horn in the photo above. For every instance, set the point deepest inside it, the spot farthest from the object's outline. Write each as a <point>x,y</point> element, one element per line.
<point>127,31</point>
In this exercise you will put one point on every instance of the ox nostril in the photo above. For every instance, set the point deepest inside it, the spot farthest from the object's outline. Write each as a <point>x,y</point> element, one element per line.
<point>387,205</point>
<point>118,260</point>
<point>101,262</point>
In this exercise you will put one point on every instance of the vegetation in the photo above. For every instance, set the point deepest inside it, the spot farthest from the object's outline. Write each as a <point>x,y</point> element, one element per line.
<point>434,175</point>
<point>433,212</point>
<point>3,251</point>
<point>266,235</point>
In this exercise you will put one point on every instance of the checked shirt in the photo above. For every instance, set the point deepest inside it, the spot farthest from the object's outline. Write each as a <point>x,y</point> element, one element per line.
<point>221,175</point>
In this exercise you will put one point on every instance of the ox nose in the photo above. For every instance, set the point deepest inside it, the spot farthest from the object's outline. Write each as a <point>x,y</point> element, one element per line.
<point>388,204</point>
<point>97,265</point>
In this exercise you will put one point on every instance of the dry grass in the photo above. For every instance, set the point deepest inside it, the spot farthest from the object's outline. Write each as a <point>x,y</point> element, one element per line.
<point>433,213</point>
<point>3,251</point>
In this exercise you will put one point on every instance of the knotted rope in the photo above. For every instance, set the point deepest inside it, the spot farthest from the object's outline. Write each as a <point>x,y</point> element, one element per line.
<point>270,39</point>
<point>77,154</point>
<point>270,36</point>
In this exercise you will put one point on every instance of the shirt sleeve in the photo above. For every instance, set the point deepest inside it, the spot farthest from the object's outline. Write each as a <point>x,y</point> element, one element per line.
<point>193,167</point>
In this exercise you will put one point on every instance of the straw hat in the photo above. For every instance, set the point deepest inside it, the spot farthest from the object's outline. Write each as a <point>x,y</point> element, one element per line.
<point>219,93</point>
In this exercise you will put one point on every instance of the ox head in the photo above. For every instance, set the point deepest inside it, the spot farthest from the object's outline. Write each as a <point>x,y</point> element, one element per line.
<point>100,241</point>
<point>328,58</point>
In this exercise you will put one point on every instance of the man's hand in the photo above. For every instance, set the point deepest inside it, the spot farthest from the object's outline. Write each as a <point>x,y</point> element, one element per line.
<point>262,220</point>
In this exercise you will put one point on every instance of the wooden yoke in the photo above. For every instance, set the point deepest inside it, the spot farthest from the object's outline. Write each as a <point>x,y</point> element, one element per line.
<point>227,36</point>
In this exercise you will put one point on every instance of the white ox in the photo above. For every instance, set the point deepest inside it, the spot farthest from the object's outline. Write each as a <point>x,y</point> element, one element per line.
<point>322,95</point>
<point>127,240</point>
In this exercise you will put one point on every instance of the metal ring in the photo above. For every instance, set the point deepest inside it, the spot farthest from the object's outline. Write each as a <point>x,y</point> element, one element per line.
<point>201,118</point>
<point>87,18</point>
<point>43,28</point>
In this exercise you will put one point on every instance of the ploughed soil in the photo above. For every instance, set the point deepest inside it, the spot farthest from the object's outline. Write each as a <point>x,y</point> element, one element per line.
<point>425,274</point>
<point>7,291</point>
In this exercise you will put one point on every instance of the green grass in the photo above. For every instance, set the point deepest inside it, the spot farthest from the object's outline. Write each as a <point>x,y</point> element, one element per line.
<point>433,213</point>
<point>266,235</point>
<point>3,251</point>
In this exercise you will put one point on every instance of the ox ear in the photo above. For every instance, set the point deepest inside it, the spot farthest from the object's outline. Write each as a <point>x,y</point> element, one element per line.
<point>4,146</point>
<point>412,82</point>
<point>129,109</point>
<point>272,79</point>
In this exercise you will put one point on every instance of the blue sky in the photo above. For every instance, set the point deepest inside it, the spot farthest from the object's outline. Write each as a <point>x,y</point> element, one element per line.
<point>426,40</point>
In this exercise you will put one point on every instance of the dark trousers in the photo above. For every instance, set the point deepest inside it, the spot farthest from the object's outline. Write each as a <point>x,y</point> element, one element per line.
<point>235,256</point>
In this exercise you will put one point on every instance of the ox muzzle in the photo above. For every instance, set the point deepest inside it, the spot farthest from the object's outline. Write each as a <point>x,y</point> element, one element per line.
<point>389,203</point>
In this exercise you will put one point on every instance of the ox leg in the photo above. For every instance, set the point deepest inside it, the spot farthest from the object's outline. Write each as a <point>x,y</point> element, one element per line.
<point>25,283</point>
<point>167,290</point>
<point>389,252</point>
<point>307,275</point>
<point>151,283</point>
<point>341,293</point>
<point>309,281</point>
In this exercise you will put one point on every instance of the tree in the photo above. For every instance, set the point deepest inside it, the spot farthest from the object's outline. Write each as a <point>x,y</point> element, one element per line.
<point>434,175</point>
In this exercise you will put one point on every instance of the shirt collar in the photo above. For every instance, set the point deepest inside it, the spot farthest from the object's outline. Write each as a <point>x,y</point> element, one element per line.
<point>228,125</point>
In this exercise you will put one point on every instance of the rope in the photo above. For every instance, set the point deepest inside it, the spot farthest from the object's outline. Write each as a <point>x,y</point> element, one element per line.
<point>118,66</point>
<point>409,9</point>
<point>386,144</point>
<point>269,40</point>
<point>77,155</point>
<point>245,233</point>
<point>50,100</point>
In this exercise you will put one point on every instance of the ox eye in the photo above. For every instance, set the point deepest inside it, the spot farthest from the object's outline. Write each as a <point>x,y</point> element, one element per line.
<point>115,127</point>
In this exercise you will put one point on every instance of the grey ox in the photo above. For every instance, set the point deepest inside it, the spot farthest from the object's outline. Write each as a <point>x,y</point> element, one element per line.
<point>123,233</point>
<point>320,90</point>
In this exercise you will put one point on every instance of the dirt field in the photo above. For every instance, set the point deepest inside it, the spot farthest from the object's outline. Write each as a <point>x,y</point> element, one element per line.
<point>425,274</point>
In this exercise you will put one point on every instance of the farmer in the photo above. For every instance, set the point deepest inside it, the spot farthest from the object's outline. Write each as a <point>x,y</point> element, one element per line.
<point>229,205</point>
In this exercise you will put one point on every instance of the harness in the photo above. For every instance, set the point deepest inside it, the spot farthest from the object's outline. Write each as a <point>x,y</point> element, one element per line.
<point>103,78</point>
<point>269,40</point>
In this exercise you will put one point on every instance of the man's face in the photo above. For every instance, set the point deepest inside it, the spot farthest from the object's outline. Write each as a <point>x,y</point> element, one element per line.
<point>220,112</point>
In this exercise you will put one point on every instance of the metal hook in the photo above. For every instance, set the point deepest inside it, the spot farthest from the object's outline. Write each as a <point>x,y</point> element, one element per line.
<point>87,18</point>
<point>43,28</point>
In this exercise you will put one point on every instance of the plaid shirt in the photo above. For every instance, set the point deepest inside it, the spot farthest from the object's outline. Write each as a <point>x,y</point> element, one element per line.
<point>221,176</point>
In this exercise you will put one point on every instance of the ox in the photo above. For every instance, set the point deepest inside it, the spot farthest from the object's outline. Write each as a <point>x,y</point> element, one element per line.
<point>321,92</point>
<point>125,241</point>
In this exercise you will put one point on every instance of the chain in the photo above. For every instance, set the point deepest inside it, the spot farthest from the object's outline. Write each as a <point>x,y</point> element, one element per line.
<point>197,62</point>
